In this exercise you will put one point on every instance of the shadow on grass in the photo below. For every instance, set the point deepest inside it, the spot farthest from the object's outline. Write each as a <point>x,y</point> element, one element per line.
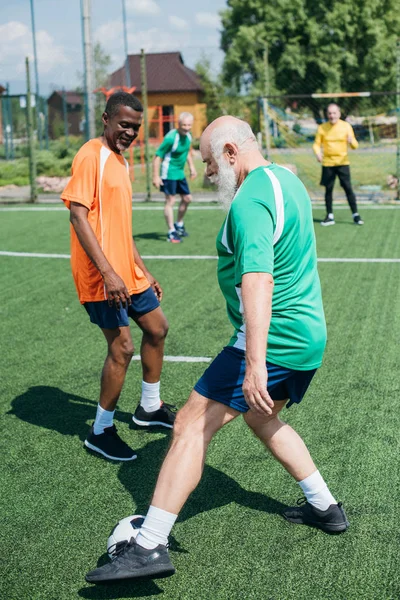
<point>151,236</point>
<point>216,489</point>
<point>54,409</point>
<point>129,589</point>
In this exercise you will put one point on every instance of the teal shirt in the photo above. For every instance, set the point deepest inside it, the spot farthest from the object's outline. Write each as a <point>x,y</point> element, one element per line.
<point>174,151</point>
<point>269,229</point>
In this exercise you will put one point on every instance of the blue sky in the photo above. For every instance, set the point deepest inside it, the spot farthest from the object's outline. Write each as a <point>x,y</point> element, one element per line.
<point>156,25</point>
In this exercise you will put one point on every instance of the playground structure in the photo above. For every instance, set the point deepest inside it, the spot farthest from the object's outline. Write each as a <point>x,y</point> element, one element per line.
<point>158,123</point>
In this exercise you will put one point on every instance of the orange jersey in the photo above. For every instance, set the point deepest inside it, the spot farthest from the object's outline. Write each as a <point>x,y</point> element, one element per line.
<point>100,181</point>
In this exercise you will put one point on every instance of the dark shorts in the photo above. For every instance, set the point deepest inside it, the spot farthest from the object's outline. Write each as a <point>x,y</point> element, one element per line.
<point>108,317</point>
<point>329,174</point>
<point>223,381</point>
<point>171,187</point>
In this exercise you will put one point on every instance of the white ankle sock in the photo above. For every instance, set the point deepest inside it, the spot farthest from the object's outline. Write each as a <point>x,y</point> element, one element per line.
<point>104,418</point>
<point>156,528</point>
<point>330,215</point>
<point>171,230</point>
<point>316,491</point>
<point>179,223</point>
<point>150,399</point>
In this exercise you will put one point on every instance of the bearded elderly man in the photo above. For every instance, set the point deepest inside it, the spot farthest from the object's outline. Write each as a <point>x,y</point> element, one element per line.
<point>267,272</point>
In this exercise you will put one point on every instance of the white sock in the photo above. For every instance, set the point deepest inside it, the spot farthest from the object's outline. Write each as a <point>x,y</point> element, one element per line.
<point>171,230</point>
<point>316,491</point>
<point>355,215</point>
<point>180,223</point>
<point>150,399</point>
<point>156,528</point>
<point>104,418</point>
<point>330,215</point>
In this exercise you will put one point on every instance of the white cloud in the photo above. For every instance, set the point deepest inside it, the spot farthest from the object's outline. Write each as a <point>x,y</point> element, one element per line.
<point>142,7</point>
<point>208,19</point>
<point>178,23</point>
<point>16,44</point>
<point>109,32</point>
<point>157,40</point>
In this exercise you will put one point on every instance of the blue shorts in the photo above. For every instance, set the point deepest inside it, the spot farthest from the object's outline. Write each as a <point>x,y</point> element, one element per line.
<point>109,317</point>
<point>223,381</point>
<point>171,187</point>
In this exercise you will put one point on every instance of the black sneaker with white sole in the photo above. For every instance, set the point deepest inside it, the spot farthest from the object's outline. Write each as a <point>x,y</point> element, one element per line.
<point>163,417</point>
<point>328,221</point>
<point>331,520</point>
<point>109,445</point>
<point>134,561</point>
<point>358,220</point>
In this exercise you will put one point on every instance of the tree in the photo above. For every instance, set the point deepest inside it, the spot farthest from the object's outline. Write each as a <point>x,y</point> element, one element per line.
<point>222,100</point>
<point>313,45</point>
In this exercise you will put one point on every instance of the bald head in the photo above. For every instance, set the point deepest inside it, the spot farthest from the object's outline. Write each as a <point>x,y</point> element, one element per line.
<point>227,130</point>
<point>230,150</point>
<point>333,113</point>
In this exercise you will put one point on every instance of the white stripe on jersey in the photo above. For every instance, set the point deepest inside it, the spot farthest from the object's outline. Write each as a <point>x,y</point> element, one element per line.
<point>167,157</point>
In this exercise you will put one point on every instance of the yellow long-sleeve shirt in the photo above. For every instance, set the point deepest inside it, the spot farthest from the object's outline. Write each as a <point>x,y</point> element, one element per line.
<point>334,142</point>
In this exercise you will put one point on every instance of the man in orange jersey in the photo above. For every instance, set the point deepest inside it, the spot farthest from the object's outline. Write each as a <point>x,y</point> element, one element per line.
<point>330,148</point>
<point>111,279</point>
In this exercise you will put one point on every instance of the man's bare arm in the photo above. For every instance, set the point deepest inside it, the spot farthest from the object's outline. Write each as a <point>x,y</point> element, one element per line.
<point>115,288</point>
<point>257,291</point>
<point>157,181</point>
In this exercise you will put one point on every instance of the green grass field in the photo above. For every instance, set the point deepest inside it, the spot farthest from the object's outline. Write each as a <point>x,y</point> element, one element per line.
<point>230,543</point>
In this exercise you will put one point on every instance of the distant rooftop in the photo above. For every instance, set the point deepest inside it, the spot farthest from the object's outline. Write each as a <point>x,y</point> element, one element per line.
<point>165,71</point>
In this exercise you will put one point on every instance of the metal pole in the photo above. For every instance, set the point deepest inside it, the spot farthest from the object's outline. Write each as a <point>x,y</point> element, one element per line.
<point>35,63</point>
<point>398,118</point>
<point>10,122</point>
<point>88,58</point>
<point>146,123</point>
<point>46,124</point>
<point>32,153</point>
<point>265,104</point>
<point>5,125</point>
<point>127,72</point>
<point>65,116</point>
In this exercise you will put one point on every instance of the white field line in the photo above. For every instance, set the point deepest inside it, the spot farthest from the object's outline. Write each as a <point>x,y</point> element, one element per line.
<point>188,359</point>
<point>209,207</point>
<point>198,257</point>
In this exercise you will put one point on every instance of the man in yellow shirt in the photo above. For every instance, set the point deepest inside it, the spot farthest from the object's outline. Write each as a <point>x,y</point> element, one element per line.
<point>330,147</point>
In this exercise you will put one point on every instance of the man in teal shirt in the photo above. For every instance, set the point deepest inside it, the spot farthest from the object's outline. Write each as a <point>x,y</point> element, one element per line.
<point>267,271</point>
<point>172,156</point>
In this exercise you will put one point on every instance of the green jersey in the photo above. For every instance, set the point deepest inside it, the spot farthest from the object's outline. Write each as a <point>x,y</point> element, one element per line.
<point>269,229</point>
<point>174,151</point>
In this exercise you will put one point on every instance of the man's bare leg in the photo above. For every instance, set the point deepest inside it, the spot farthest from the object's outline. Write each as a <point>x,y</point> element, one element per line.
<point>284,443</point>
<point>154,326</point>
<point>169,211</point>
<point>321,509</point>
<point>183,206</point>
<point>120,352</point>
<point>102,438</point>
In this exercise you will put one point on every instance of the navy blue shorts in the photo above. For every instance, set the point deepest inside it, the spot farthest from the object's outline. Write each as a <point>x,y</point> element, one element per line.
<point>108,317</point>
<point>223,381</point>
<point>171,187</point>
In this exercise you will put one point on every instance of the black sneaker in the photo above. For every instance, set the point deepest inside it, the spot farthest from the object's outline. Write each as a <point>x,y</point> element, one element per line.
<point>134,561</point>
<point>164,416</point>
<point>358,220</point>
<point>180,230</point>
<point>331,520</point>
<point>328,221</point>
<point>109,444</point>
<point>173,237</point>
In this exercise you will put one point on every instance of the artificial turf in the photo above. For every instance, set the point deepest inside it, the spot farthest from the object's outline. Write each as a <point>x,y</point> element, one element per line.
<point>230,543</point>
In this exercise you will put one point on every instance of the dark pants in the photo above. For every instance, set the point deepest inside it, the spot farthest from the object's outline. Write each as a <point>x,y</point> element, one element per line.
<point>328,180</point>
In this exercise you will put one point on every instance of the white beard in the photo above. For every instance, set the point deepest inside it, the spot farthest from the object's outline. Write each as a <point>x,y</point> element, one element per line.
<point>226,183</point>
